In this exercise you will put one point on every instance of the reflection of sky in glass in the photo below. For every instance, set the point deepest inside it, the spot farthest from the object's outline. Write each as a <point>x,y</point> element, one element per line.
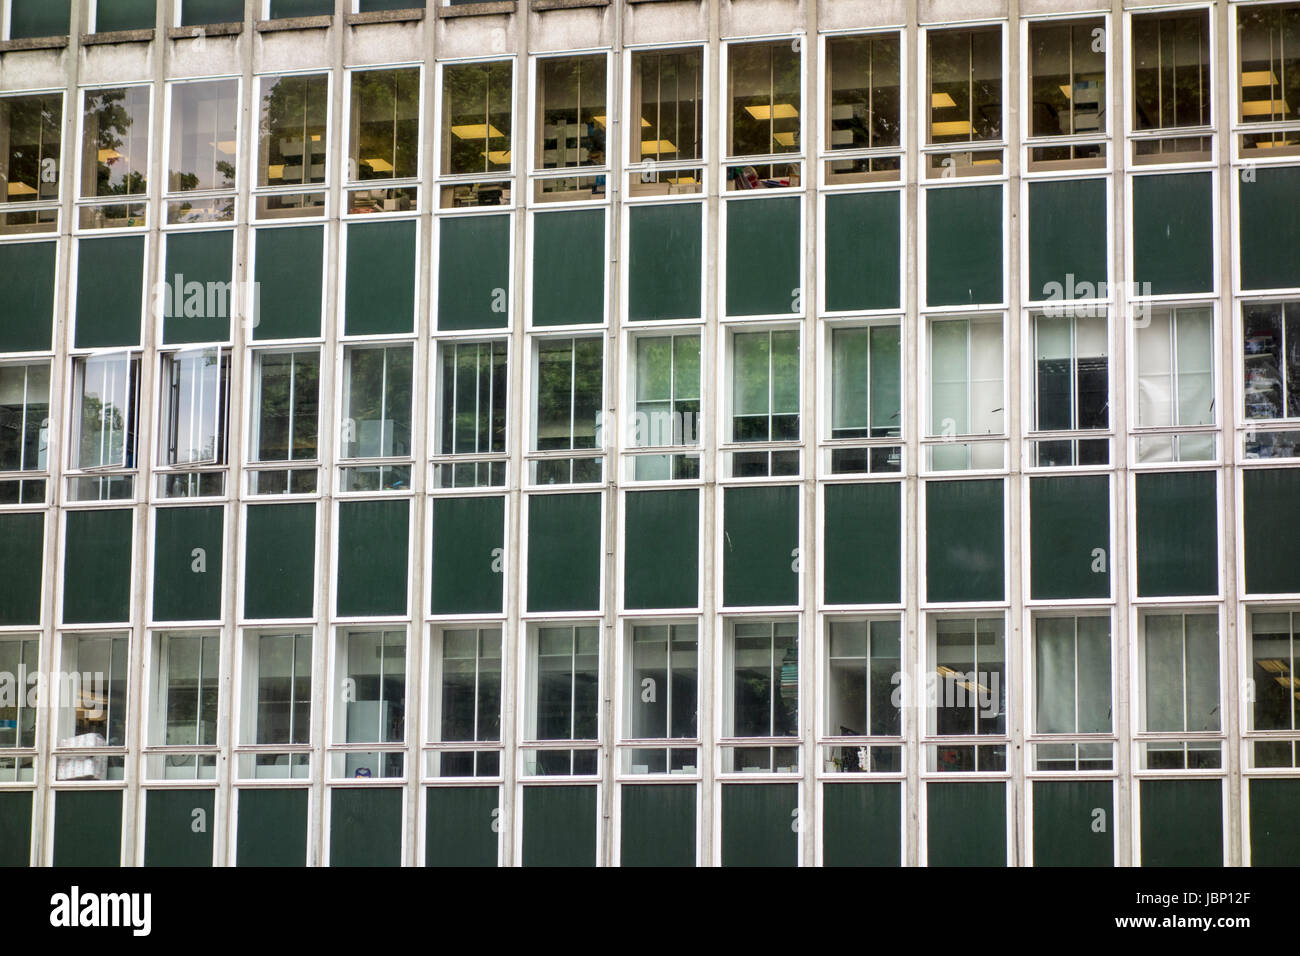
<point>116,141</point>
<point>195,380</point>
<point>203,135</point>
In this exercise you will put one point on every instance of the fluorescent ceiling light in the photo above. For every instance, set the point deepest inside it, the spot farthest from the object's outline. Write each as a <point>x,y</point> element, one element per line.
<point>275,171</point>
<point>475,131</point>
<point>657,146</point>
<point>21,189</point>
<point>953,128</point>
<point>499,156</point>
<point>1259,78</point>
<point>785,139</point>
<point>109,155</point>
<point>943,101</point>
<point>1264,107</point>
<point>379,165</point>
<point>779,111</point>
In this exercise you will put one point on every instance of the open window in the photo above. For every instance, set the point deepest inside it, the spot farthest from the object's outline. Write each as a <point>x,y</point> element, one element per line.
<point>195,385</point>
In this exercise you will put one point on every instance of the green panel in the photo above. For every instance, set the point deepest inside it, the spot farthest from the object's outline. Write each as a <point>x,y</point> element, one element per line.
<point>473,272</point>
<point>301,8</point>
<point>280,561</point>
<point>88,828</point>
<point>187,586</point>
<point>564,555</point>
<point>1274,835</point>
<point>380,296</point>
<point>759,824</point>
<point>110,291</point>
<point>569,267</point>
<point>366,826</point>
<point>661,544</point>
<point>15,827</point>
<point>1182,822</point>
<point>460,826</point>
<point>201,295</point>
<point>468,554</point>
<point>863,251</point>
<point>1173,233</point>
<point>764,273</point>
<point>198,12</point>
<point>372,566</point>
<point>22,550</point>
<point>288,273</point>
<point>862,547</point>
<point>559,826</point>
<point>1069,519</point>
<point>966,824</point>
<point>1067,829</point>
<point>272,828</point>
<point>174,834</point>
<point>1272,526</point>
<point>862,824</point>
<point>1067,239</point>
<point>1270,228</point>
<point>760,539</point>
<point>1177,534</point>
<point>371,6</point>
<point>658,825</point>
<point>963,245</point>
<point>664,265</point>
<point>963,541</point>
<point>27,291</point>
<point>38,18</point>
<point>97,566</point>
<point>113,15</point>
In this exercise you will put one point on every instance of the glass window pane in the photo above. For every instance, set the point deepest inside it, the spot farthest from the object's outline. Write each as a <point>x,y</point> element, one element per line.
<point>115,142</point>
<point>649,688</point>
<point>1067,78</point>
<point>1165,691</point>
<point>1054,649</point>
<point>1273,671</point>
<point>377,396</point>
<point>1194,358</point>
<point>571,101</point>
<point>667,92</point>
<point>288,405</point>
<point>292,131</point>
<point>765,90</point>
<point>965,68</point>
<point>949,378</point>
<point>194,410</point>
<point>849,383</point>
<point>106,417</point>
<point>203,135</point>
<point>863,74</point>
<point>24,416</point>
<point>1171,70</point>
<point>31,128</point>
<point>1094,675</point>
<point>1202,672</point>
<point>886,387</point>
<point>1268,44</point>
<point>385,124</point>
<point>374,686</point>
<point>476,117</point>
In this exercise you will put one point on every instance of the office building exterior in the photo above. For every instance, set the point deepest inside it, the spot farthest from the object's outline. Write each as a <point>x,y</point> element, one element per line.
<point>622,432</point>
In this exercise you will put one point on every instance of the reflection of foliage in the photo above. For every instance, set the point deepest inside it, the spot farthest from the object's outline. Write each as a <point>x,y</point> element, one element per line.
<point>386,118</point>
<point>96,427</point>
<point>293,111</point>
<point>564,377</point>
<point>112,119</point>
<point>476,95</point>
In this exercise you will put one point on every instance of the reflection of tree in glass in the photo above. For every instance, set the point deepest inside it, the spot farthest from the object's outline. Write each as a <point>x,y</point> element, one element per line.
<point>292,130</point>
<point>95,428</point>
<point>476,100</point>
<point>385,123</point>
<point>111,117</point>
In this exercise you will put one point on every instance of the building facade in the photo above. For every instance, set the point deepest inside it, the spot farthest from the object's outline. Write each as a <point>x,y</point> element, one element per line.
<point>632,432</point>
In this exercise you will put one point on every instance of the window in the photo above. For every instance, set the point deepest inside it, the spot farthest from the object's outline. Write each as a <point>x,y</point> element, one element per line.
<point>966,390</point>
<point>278,690</point>
<point>186,677</point>
<point>377,401</point>
<point>1175,380</point>
<point>662,676</point>
<point>1072,675</point>
<point>115,151</point>
<point>93,708</point>
<point>765,386</point>
<point>31,129</point>
<point>204,137</point>
<point>1273,706</point>
<point>106,389</point>
<point>667,390</point>
<point>1067,65</point>
<point>195,384</point>
<point>114,15</point>
<point>564,691</point>
<point>292,142</point>
<point>24,416</point>
<point>1180,689</point>
<point>571,111</point>
<point>865,108</point>
<point>202,12</point>
<point>1070,387</point>
<point>467,700</point>
<point>472,399</point>
<point>1171,85</point>
<point>763,698</point>
<point>287,402</point>
<point>1271,346</point>
<point>20,659</point>
<point>667,96</point>
<point>863,674</point>
<point>569,390</point>
<point>372,687</point>
<point>764,89</point>
<point>969,692</point>
<point>36,18</point>
<point>964,74</point>
<point>865,389</point>
<point>476,123</point>
<point>384,136</point>
<point>1268,45</point>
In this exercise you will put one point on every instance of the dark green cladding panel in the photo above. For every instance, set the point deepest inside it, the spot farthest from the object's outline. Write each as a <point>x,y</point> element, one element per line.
<point>764,276</point>
<point>1177,534</point>
<point>373,566</point>
<point>38,18</point>
<point>187,586</point>
<point>288,269</point>
<point>966,824</point>
<point>97,566</point>
<point>564,555</point>
<point>1270,228</point>
<point>1272,526</point>
<point>366,826</point>
<point>27,295</point>
<point>372,6</point>
<point>760,824</point>
<point>280,561</point>
<point>1274,831</point>
<point>88,828</point>
<point>198,273</point>
<point>1069,520</point>
<point>1067,239</point>
<point>760,541</point>
<point>460,827</point>
<point>15,827</point>
<point>863,251</point>
<point>178,827</point>
<point>657,825</point>
<point>559,826</point>
<point>272,828</point>
<point>198,12</point>
<point>380,295</point>
<point>473,272</point>
<point>1182,822</point>
<point>964,540</point>
<point>110,292</point>
<point>1068,831</point>
<point>862,545</point>
<point>664,261</point>
<point>468,555</point>
<point>301,8</point>
<point>862,824</point>
<point>111,15</point>
<point>661,544</point>
<point>1173,233</point>
<point>963,246</point>
<point>22,555</point>
<point>569,267</point>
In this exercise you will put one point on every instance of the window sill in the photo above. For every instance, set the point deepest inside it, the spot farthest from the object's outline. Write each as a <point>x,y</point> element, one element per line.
<point>477,9</point>
<point>33,43</point>
<point>294,23</point>
<point>564,4</point>
<point>118,36</point>
<point>384,16</point>
<point>197,30</point>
